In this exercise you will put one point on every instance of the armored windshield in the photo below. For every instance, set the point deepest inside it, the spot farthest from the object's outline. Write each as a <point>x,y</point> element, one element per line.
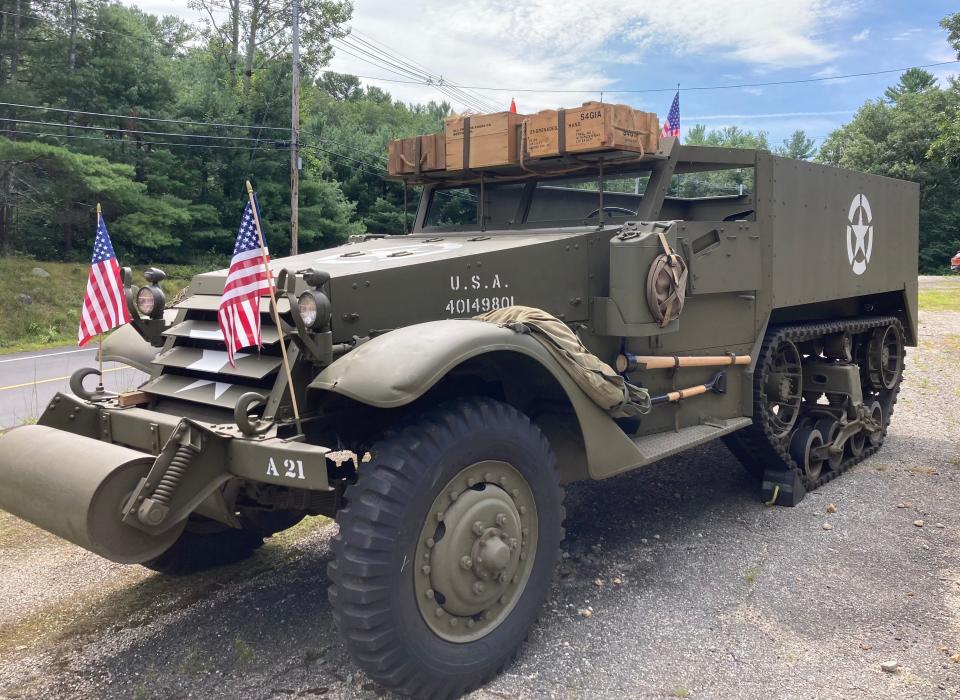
<point>571,200</point>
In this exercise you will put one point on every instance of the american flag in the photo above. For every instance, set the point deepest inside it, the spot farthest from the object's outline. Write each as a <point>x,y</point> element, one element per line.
<point>104,305</point>
<point>247,281</point>
<point>671,127</point>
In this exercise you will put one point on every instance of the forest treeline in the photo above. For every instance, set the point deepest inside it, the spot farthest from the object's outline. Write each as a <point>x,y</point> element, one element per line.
<point>124,92</point>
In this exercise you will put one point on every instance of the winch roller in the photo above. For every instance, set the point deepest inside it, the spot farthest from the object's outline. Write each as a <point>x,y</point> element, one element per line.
<point>75,487</point>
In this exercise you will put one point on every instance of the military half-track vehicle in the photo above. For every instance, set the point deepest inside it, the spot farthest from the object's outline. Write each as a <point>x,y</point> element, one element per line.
<point>772,314</point>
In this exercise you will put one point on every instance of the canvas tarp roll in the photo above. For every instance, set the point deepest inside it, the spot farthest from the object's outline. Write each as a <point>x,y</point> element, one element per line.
<point>596,378</point>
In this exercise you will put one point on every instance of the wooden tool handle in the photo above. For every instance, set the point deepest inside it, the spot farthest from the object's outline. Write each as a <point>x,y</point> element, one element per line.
<point>630,363</point>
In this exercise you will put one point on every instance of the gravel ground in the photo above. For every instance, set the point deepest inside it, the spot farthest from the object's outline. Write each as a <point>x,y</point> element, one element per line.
<point>692,588</point>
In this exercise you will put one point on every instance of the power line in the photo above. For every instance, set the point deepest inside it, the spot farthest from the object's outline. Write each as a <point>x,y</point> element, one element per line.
<point>421,66</point>
<point>609,89</point>
<point>145,143</point>
<point>387,59</point>
<point>81,21</point>
<point>380,174</point>
<point>129,131</point>
<point>383,48</point>
<point>385,65</point>
<point>185,122</point>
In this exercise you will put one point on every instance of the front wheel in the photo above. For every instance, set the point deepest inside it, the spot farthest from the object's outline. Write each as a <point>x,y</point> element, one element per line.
<point>447,547</point>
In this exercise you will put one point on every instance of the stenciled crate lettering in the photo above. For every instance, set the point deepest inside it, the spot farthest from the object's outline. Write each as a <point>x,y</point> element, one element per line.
<point>594,127</point>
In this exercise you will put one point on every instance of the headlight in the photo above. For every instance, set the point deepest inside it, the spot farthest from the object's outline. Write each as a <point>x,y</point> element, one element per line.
<point>150,301</point>
<point>314,309</point>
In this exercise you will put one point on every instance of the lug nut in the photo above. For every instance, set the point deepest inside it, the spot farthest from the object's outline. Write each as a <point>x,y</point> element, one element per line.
<point>471,481</point>
<point>426,569</point>
<point>523,510</point>
<point>488,477</point>
<point>454,495</point>
<point>515,493</point>
<point>429,593</point>
<point>453,622</point>
<point>501,519</point>
<point>438,612</point>
<point>431,542</point>
<point>466,562</point>
<point>478,587</point>
<point>478,528</point>
<point>470,622</point>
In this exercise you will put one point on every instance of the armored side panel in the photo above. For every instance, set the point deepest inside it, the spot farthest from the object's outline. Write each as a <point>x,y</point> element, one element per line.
<point>839,235</point>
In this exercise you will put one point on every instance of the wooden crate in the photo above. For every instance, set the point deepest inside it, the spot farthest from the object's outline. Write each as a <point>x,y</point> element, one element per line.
<point>592,127</point>
<point>487,139</point>
<point>402,154</point>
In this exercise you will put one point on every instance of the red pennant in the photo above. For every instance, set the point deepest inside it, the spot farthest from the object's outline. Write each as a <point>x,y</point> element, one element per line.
<point>513,106</point>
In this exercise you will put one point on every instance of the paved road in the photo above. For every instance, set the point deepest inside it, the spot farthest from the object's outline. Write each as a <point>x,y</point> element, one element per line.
<point>29,379</point>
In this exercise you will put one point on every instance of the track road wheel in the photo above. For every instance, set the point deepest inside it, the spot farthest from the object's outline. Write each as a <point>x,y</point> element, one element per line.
<point>804,447</point>
<point>856,444</point>
<point>875,437</point>
<point>829,427</point>
<point>447,548</point>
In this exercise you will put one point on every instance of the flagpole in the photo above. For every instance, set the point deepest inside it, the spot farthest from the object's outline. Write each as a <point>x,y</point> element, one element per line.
<point>100,388</point>
<point>273,307</point>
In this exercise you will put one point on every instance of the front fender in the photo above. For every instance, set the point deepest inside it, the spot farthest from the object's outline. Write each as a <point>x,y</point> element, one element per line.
<point>127,346</point>
<point>397,368</point>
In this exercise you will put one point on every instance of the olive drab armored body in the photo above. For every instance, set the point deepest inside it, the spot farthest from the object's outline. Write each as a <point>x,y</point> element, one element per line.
<point>541,323</point>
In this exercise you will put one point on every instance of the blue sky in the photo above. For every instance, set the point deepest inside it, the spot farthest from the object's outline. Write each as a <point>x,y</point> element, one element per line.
<point>611,44</point>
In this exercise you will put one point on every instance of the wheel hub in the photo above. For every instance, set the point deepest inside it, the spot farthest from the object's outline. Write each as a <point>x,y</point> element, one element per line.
<point>475,551</point>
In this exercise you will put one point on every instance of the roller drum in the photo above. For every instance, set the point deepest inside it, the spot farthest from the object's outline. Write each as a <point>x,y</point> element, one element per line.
<point>75,487</point>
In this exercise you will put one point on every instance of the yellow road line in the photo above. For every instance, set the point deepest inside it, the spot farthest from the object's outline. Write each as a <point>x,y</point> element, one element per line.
<point>54,379</point>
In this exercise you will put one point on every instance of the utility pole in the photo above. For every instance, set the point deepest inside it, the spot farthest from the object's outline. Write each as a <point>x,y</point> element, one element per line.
<point>295,128</point>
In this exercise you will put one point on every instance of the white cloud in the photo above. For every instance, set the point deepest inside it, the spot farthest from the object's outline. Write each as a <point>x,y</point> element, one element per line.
<point>861,36</point>
<point>905,35</point>
<point>827,72</point>
<point>574,45</point>
<point>570,44</point>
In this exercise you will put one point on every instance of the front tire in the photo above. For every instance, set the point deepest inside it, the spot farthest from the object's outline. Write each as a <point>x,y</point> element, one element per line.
<point>447,548</point>
<point>206,544</point>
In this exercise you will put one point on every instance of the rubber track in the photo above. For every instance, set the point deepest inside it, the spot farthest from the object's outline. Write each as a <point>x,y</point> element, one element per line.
<point>757,440</point>
<point>359,571</point>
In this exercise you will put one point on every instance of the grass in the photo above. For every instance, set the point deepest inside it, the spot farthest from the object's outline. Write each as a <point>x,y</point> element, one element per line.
<point>751,574</point>
<point>943,297</point>
<point>244,651</point>
<point>681,692</point>
<point>54,314</point>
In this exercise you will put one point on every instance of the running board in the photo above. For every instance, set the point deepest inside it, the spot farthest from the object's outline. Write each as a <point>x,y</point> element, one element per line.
<point>660,445</point>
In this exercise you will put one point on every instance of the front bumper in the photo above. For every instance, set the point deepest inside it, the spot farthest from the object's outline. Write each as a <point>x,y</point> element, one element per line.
<point>122,481</point>
<point>149,431</point>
